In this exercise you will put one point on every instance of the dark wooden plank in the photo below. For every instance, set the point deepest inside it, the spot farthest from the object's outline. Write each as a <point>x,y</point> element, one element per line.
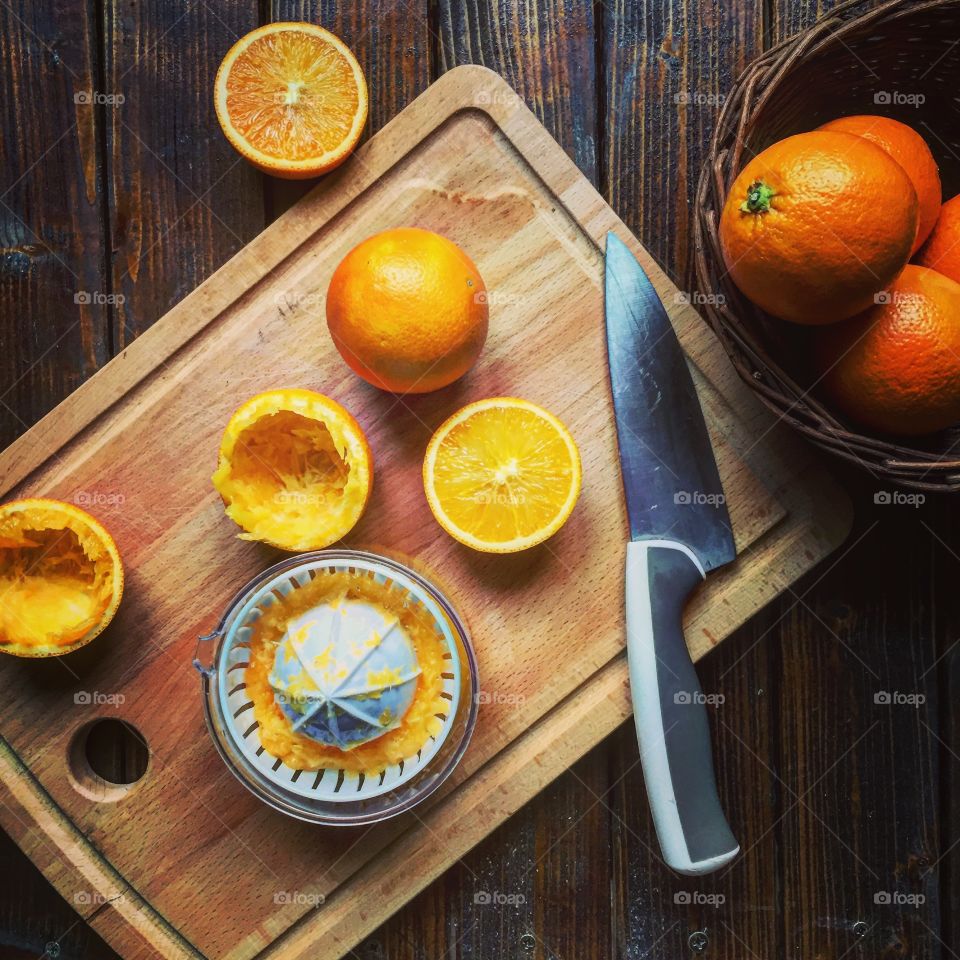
<point>35,921</point>
<point>859,732</point>
<point>666,68</point>
<point>544,50</point>
<point>536,887</point>
<point>572,863</point>
<point>948,855</point>
<point>181,200</point>
<point>788,19</point>
<point>482,907</point>
<point>531,889</point>
<point>867,772</point>
<point>54,318</point>
<point>54,315</point>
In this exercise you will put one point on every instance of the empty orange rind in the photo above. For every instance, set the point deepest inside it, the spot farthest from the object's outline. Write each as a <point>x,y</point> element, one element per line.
<point>295,470</point>
<point>61,578</point>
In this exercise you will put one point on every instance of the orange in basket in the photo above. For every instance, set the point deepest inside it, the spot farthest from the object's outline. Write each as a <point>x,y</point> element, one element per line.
<point>942,250</point>
<point>896,367</point>
<point>816,224</point>
<point>910,150</point>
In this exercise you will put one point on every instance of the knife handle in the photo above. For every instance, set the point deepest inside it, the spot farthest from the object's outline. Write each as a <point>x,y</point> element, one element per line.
<point>669,710</point>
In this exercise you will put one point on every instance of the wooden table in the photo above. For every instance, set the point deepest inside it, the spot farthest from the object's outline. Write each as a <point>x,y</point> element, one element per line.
<point>111,212</point>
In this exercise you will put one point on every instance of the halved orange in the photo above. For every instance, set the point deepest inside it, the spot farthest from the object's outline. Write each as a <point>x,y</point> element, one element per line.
<point>292,99</point>
<point>61,578</point>
<point>295,470</point>
<point>502,475</point>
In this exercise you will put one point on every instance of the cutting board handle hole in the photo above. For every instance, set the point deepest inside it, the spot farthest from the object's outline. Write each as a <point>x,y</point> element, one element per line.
<point>106,759</point>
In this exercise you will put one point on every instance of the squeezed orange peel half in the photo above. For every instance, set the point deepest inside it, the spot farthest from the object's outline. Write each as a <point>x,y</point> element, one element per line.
<point>295,470</point>
<point>61,578</point>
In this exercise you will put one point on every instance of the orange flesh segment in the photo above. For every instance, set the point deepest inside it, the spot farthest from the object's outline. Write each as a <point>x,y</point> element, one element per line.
<point>292,95</point>
<point>284,452</point>
<point>502,475</point>
<point>503,484</point>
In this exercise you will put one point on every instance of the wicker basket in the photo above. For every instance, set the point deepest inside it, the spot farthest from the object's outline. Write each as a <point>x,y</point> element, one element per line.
<point>900,58</point>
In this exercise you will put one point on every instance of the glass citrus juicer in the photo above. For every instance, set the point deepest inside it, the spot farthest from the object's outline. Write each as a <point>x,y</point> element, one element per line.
<point>341,687</point>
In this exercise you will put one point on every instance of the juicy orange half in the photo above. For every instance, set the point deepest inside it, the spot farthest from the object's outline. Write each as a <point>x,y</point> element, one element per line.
<point>61,578</point>
<point>292,99</point>
<point>295,470</point>
<point>502,475</point>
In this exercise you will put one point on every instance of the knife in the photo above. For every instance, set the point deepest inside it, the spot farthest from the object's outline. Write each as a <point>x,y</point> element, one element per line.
<point>679,532</point>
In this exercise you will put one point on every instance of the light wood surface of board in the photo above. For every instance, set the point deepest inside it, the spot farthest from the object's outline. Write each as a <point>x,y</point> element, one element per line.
<point>186,862</point>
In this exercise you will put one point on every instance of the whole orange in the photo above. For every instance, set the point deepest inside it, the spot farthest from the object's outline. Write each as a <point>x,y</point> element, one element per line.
<point>942,250</point>
<point>816,224</point>
<point>896,367</point>
<point>407,310</point>
<point>910,150</point>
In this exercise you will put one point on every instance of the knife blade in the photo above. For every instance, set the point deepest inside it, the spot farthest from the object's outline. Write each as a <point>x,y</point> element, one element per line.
<point>679,531</point>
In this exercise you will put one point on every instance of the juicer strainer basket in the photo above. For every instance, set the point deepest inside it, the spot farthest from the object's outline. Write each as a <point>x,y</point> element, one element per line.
<point>331,794</point>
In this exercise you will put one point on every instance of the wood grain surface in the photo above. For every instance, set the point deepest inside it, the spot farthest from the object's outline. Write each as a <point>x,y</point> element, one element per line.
<point>839,798</point>
<point>53,259</point>
<point>173,215</point>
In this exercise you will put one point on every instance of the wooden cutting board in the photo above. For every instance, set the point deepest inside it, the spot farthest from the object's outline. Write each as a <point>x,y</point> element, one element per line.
<point>185,862</point>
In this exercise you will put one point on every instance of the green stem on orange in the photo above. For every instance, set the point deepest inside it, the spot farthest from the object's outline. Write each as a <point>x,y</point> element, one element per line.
<point>758,199</point>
